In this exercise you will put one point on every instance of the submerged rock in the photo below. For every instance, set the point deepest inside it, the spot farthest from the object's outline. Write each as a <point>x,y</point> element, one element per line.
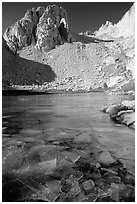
<point>88,185</point>
<point>121,192</point>
<point>105,158</point>
<point>128,194</point>
<point>83,138</point>
<point>114,179</point>
<point>116,190</point>
<point>54,186</point>
<point>75,189</point>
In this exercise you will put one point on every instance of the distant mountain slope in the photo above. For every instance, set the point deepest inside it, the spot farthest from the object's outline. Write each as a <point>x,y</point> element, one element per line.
<point>125,27</point>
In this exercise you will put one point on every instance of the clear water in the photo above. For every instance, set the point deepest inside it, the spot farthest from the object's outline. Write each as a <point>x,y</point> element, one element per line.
<point>31,122</point>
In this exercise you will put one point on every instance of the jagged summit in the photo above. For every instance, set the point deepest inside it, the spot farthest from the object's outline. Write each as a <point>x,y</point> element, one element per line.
<point>124,28</point>
<point>43,27</point>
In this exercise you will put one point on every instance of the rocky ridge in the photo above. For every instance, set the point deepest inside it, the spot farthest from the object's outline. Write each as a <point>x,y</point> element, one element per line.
<point>119,29</point>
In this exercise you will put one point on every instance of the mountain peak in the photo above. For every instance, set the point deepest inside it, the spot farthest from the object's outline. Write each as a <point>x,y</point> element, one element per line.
<point>119,29</point>
<point>43,27</point>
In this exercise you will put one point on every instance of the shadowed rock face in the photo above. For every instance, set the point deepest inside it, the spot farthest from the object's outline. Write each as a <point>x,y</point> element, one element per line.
<point>22,71</point>
<point>42,27</point>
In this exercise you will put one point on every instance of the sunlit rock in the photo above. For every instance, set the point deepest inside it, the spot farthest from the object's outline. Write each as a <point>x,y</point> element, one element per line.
<point>119,29</point>
<point>127,117</point>
<point>53,28</point>
<point>112,110</point>
<point>42,27</point>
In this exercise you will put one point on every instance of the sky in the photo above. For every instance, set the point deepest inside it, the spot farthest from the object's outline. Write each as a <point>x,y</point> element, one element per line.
<point>82,16</point>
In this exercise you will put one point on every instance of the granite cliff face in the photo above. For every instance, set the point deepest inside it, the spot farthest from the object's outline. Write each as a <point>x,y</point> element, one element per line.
<point>53,28</point>
<point>42,27</point>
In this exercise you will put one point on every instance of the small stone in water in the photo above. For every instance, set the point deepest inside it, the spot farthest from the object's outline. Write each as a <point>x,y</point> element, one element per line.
<point>75,190</point>
<point>81,197</point>
<point>130,179</point>
<point>61,172</point>
<point>71,156</point>
<point>106,158</point>
<point>62,197</point>
<point>94,176</point>
<point>100,182</point>
<point>128,194</point>
<point>56,143</point>
<point>64,162</point>
<point>92,197</point>
<point>84,138</point>
<point>98,165</point>
<point>78,175</point>
<point>51,164</point>
<point>116,190</point>
<point>114,179</point>
<point>65,185</point>
<point>88,185</point>
<point>108,171</point>
<point>46,195</point>
<point>54,186</point>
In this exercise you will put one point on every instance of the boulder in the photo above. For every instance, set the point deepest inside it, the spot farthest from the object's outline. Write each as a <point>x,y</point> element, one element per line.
<point>127,117</point>
<point>122,113</point>
<point>112,110</point>
<point>129,104</point>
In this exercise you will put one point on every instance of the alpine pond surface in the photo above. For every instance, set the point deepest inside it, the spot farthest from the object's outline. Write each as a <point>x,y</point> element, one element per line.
<point>55,149</point>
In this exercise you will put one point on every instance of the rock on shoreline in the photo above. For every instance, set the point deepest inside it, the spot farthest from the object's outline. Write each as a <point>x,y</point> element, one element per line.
<point>122,113</point>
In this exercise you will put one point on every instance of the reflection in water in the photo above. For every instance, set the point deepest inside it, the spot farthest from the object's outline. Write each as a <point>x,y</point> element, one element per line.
<point>45,131</point>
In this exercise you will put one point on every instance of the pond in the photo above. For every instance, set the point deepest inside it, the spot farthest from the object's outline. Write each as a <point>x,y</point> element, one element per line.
<point>39,131</point>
